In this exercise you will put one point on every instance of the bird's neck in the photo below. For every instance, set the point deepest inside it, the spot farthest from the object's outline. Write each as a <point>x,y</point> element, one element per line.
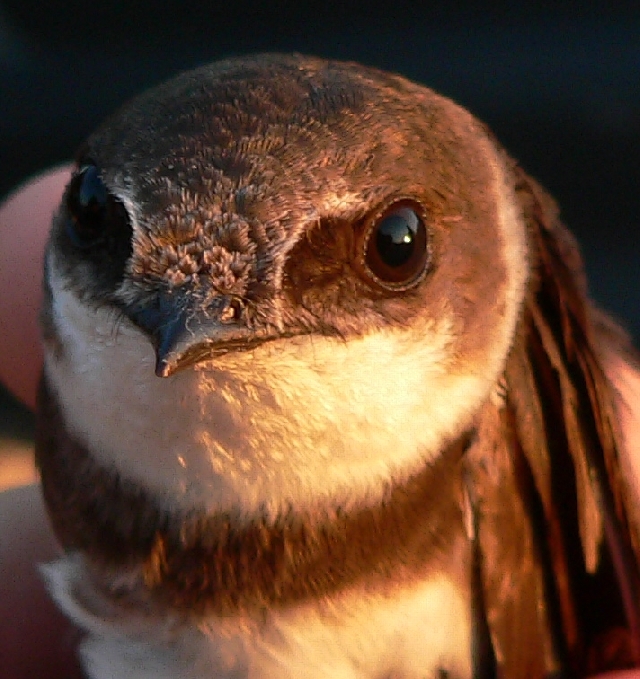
<point>226,562</point>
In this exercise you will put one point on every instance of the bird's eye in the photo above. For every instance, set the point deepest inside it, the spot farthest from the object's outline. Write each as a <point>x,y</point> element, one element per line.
<point>394,248</point>
<point>92,211</point>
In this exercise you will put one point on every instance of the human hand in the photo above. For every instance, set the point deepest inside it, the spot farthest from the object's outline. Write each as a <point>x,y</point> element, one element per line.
<point>25,218</point>
<point>35,639</point>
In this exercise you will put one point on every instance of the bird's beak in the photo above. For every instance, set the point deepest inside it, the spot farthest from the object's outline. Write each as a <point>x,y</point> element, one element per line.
<point>184,333</point>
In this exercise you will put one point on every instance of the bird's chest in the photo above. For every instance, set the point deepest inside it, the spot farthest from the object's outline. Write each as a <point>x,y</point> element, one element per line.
<point>417,631</point>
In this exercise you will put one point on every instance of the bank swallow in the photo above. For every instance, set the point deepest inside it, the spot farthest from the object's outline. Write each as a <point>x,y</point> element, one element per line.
<point>324,394</point>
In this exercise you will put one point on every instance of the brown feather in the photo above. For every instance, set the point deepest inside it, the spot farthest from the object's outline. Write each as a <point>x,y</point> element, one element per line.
<point>515,594</point>
<point>564,418</point>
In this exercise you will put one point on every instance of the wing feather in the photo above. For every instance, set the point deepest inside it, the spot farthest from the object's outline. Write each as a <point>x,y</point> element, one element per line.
<point>566,423</point>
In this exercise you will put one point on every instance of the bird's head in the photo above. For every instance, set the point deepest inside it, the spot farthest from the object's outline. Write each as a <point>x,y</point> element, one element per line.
<point>279,278</point>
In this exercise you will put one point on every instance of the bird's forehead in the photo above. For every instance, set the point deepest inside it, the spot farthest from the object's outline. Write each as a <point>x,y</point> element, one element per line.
<point>276,139</point>
<point>224,168</point>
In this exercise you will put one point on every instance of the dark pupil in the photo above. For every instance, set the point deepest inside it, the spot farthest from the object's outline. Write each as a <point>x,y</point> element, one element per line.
<point>395,237</point>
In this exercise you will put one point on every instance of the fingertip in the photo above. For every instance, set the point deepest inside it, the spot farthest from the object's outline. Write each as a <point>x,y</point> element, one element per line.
<point>25,218</point>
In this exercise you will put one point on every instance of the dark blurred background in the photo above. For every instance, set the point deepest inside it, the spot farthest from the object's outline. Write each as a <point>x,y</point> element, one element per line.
<point>558,83</point>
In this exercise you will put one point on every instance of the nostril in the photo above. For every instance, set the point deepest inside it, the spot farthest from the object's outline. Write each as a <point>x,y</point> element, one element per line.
<point>232,312</point>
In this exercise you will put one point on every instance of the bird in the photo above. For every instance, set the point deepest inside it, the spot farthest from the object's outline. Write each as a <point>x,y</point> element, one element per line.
<point>324,394</point>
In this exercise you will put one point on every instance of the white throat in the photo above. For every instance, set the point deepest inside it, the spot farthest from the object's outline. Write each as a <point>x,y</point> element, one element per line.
<point>291,422</point>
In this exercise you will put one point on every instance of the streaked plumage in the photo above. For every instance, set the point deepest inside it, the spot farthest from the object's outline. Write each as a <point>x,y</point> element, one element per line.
<point>324,394</point>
